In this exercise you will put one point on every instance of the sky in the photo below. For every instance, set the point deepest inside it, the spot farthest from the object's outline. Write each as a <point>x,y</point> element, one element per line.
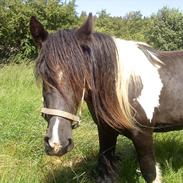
<point>122,7</point>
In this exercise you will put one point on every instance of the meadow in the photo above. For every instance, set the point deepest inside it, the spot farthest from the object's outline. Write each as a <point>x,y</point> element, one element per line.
<point>22,156</point>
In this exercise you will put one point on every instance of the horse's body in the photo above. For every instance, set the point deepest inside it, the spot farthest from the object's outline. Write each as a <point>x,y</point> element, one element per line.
<point>155,99</point>
<point>169,115</point>
<point>130,89</point>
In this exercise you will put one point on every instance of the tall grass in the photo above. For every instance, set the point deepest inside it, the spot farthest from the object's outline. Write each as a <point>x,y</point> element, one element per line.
<point>22,157</point>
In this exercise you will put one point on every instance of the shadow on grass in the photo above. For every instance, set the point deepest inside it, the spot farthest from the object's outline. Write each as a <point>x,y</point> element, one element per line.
<point>85,171</point>
<point>168,151</point>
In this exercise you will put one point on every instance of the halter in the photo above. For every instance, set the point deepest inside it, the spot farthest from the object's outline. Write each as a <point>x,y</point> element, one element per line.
<point>75,119</point>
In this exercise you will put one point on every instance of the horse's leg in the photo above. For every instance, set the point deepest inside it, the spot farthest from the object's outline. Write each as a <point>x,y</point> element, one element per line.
<point>107,144</point>
<point>106,162</point>
<point>143,143</point>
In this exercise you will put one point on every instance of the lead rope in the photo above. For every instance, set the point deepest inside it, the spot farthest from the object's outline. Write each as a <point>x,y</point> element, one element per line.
<point>75,124</point>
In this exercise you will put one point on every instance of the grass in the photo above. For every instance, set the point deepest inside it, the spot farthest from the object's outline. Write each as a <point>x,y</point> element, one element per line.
<point>22,157</point>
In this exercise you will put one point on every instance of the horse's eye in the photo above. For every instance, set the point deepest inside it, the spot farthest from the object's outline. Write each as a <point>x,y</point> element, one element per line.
<point>86,49</point>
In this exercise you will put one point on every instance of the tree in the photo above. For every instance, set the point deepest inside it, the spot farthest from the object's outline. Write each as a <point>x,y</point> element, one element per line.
<point>131,27</point>
<point>14,23</point>
<point>135,25</point>
<point>133,15</point>
<point>166,29</point>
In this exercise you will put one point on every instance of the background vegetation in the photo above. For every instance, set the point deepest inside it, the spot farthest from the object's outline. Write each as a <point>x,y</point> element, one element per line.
<point>22,157</point>
<point>163,30</point>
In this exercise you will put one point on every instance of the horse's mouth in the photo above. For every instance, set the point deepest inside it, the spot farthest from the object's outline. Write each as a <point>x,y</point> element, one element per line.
<point>59,150</point>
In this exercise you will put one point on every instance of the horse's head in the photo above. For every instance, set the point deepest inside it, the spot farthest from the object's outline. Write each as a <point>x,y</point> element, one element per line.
<point>61,66</point>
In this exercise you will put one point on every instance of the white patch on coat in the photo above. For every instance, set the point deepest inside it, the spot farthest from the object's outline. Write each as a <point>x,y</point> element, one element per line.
<point>60,75</point>
<point>158,175</point>
<point>133,62</point>
<point>54,140</point>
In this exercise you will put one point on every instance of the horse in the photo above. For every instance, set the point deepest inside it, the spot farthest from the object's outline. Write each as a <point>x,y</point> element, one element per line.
<point>130,89</point>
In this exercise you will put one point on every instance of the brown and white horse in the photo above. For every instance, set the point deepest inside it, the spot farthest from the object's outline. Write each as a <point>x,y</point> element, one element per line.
<point>130,89</point>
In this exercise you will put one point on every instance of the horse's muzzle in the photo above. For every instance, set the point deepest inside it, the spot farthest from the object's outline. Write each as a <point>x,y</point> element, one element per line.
<point>58,150</point>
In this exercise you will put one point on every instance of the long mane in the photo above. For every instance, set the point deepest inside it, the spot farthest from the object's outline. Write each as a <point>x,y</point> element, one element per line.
<point>96,69</point>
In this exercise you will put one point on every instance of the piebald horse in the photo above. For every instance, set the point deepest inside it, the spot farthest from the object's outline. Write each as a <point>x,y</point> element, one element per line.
<point>130,89</point>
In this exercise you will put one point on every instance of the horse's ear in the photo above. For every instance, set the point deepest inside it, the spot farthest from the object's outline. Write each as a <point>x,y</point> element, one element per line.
<point>37,30</point>
<point>86,29</point>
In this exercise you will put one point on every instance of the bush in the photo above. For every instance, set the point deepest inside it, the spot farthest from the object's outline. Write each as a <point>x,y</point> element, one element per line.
<point>163,30</point>
<point>166,30</point>
<point>15,37</point>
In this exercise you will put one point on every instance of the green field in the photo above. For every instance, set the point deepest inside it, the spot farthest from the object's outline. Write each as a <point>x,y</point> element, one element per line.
<point>22,157</point>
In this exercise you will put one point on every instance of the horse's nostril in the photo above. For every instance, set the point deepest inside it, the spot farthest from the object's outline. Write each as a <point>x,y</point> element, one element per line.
<point>46,140</point>
<point>70,141</point>
<point>70,145</point>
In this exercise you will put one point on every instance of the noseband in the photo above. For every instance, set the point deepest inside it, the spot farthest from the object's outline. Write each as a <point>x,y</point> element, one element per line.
<point>55,112</point>
<point>74,118</point>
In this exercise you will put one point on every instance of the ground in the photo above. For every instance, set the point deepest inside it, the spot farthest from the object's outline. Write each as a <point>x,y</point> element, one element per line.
<point>22,156</point>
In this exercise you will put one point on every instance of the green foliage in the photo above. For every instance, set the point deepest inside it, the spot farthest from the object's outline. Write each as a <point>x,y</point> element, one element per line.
<point>130,27</point>
<point>15,15</point>
<point>163,30</point>
<point>166,30</point>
